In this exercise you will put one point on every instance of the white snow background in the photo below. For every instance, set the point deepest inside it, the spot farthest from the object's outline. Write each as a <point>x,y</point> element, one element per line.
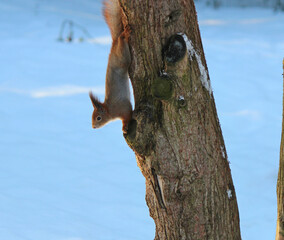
<point>62,180</point>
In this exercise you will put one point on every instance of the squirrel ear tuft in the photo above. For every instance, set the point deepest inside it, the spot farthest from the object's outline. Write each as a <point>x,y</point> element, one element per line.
<point>95,101</point>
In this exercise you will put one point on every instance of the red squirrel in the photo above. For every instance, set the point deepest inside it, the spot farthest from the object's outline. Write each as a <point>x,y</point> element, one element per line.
<point>117,94</point>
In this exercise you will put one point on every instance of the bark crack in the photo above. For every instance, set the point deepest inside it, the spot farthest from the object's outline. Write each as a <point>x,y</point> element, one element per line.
<point>157,189</point>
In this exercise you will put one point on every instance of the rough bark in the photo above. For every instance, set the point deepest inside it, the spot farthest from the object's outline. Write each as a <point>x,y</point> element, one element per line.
<point>176,135</point>
<point>280,183</point>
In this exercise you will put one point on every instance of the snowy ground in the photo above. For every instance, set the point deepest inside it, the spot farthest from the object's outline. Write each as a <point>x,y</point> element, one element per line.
<point>61,180</point>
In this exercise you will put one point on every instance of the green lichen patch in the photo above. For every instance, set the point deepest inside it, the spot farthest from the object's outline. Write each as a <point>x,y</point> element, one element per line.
<point>162,88</point>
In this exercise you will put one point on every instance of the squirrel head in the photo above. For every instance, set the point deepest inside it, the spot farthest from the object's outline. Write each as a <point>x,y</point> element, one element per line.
<point>100,115</point>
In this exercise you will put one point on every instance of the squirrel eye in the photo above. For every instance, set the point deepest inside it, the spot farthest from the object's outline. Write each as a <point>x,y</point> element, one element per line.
<point>99,118</point>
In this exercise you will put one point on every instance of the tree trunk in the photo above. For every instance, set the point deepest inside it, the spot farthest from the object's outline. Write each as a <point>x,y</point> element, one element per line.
<point>280,183</point>
<point>176,134</point>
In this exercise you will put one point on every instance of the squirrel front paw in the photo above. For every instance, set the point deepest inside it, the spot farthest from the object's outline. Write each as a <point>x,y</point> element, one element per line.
<point>125,128</point>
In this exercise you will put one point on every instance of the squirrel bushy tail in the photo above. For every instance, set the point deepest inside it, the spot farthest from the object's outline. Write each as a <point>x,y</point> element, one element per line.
<point>112,13</point>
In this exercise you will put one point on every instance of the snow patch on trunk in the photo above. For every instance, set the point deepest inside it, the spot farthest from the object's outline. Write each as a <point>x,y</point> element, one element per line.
<point>203,72</point>
<point>230,194</point>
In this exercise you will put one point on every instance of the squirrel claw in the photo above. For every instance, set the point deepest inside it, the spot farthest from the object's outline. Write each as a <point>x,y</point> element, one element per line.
<point>125,129</point>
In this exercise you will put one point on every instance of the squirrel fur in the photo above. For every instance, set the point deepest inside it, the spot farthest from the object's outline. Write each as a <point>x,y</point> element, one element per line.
<point>117,93</point>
